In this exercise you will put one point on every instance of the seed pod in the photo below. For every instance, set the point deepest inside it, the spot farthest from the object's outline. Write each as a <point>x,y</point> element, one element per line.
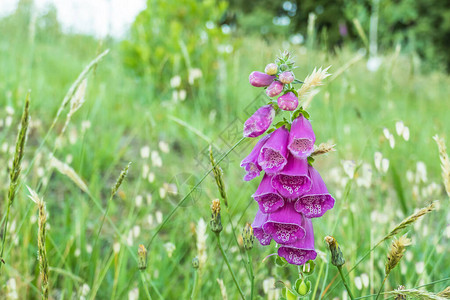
<point>142,257</point>
<point>216,220</point>
<point>248,237</point>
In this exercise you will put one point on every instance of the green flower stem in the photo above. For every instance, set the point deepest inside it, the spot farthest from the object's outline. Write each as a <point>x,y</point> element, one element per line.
<point>194,286</point>
<point>345,283</point>
<point>229,266</point>
<point>144,284</point>
<point>381,287</point>
<point>252,276</point>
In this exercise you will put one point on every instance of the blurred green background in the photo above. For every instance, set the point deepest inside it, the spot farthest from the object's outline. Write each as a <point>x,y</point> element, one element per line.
<point>177,82</point>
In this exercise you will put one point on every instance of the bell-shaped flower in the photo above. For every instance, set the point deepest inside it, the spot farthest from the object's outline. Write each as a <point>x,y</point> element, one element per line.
<point>302,250</point>
<point>273,155</point>
<point>250,163</point>
<point>285,226</point>
<point>274,89</point>
<point>301,138</point>
<point>293,181</point>
<point>267,197</point>
<point>260,121</point>
<point>317,200</point>
<point>257,225</point>
<point>259,79</point>
<point>288,101</point>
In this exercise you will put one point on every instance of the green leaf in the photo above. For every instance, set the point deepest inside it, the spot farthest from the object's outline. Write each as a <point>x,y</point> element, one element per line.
<point>310,160</point>
<point>399,188</point>
<point>280,261</point>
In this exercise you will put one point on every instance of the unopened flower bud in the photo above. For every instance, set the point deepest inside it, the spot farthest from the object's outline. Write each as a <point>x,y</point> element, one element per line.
<point>142,257</point>
<point>286,77</point>
<point>195,262</point>
<point>259,79</point>
<point>288,101</point>
<point>274,89</point>
<point>216,220</point>
<point>271,69</point>
<point>337,258</point>
<point>248,237</point>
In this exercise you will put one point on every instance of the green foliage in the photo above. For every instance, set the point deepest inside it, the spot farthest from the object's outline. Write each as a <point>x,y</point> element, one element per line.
<point>173,37</point>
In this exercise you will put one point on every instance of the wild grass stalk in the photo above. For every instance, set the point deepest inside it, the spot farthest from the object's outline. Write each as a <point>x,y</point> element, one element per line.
<point>14,174</point>
<point>42,252</point>
<point>445,162</point>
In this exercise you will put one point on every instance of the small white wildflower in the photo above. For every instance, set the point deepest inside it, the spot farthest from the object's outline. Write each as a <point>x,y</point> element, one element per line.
<point>162,192</point>
<point>11,289</point>
<point>89,248</point>
<point>164,147</point>
<point>378,157</point>
<point>201,242</point>
<point>399,127</point>
<point>159,217</point>
<point>156,159</point>
<point>391,141</point>
<point>77,252</point>
<point>85,125</point>
<point>40,172</point>
<point>8,121</point>
<point>365,280</point>
<point>344,295</point>
<point>73,136</point>
<point>151,177</point>
<point>421,172</point>
<point>138,200</point>
<point>175,81</point>
<point>365,178</point>
<point>349,167</point>
<point>9,110</point>
<point>85,289</point>
<point>145,152</point>
<point>386,133</point>
<point>182,95</point>
<point>410,176</point>
<point>69,159</point>
<point>170,248</point>
<point>420,267</point>
<point>358,283</point>
<point>116,248</point>
<point>270,290</point>
<point>136,231</point>
<point>194,74</point>
<point>133,294</point>
<point>149,198</point>
<point>130,238</point>
<point>150,220</point>
<point>385,165</point>
<point>405,134</point>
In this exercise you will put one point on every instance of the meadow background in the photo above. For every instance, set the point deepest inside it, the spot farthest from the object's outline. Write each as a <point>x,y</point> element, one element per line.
<point>178,82</point>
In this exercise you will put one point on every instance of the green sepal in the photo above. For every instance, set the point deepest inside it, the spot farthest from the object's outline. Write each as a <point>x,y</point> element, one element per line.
<point>270,130</point>
<point>280,261</point>
<point>302,287</point>
<point>299,111</point>
<point>310,160</point>
<point>311,263</point>
<point>290,295</point>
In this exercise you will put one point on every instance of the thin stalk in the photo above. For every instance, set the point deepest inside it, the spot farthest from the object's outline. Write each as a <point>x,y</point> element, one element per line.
<point>169,216</point>
<point>252,276</point>
<point>194,286</point>
<point>381,287</point>
<point>345,283</point>
<point>229,266</point>
<point>144,284</point>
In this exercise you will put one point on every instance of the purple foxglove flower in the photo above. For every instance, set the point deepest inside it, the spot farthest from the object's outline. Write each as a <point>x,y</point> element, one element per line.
<point>301,138</point>
<point>288,101</point>
<point>285,226</point>
<point>274,89</point>
<point>260,220</point>
<point>273,155</point>
<point>259,122</point>
<point>271,69</point>
<point>267,197</point>
<point>250,163</point>
<point>259,79</point>
<point>286,77</point>
<point>293,181</point>
<point>317,201</point>
<point>302,250</point>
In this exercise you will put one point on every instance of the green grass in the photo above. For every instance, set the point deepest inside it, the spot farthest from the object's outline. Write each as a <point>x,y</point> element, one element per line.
<point>126,114</point>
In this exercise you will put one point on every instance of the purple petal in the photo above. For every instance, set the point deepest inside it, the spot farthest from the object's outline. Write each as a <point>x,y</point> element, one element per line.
<point>259,122</point>
<point>317,200</point>
<point>293,181</point>
<point>302,250</point>
<point>288,101</point>
<point>301,138</point>
<point>286,77</point>
<point>285,225</point>
<point>260,220</point>
<point>274,89</point>
<point>259,79</point>
<point>250,163</point>
<point>273,155</point>
<point>267,197</point>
